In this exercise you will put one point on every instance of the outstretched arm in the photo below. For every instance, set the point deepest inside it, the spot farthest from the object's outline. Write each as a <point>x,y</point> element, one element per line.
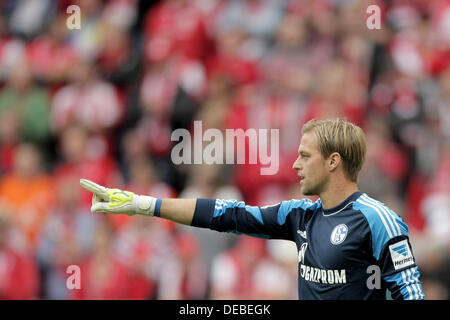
<point>221,215</point>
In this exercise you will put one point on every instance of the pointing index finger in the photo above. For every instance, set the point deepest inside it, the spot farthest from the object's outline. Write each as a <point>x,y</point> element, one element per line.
<point>95,188</point>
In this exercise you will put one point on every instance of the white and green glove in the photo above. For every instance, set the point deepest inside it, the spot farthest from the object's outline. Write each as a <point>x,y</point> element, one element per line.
<point>106,200</point>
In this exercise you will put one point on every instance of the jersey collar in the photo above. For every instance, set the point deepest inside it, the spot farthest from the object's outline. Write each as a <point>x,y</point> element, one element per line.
<point>343,204</point>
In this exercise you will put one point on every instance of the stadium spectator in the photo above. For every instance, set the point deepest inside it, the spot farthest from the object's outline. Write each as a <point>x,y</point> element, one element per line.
<point>186,275</point>
<point>275,274</point>
<point>144,256</point>
<point>104,275</point>
<point>66,239</point>
<point>175,28</point>
<point>51,55</point>
<point>10,138</point>
<point>162,83</point>
<point>19,275</point>
<point>232,271</point>
<point>119,57</point>
<point>27,192</point>
<point>31,103</point>
<point>258,18</point>
<point>87,99</point>
<point>12,50</point>
<point>29,18</point>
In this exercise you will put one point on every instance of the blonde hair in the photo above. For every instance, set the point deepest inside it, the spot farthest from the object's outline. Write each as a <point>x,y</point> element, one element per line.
<point>343,137</point>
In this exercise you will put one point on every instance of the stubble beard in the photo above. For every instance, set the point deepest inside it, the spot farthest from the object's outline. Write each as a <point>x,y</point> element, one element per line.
<point>315,190</point>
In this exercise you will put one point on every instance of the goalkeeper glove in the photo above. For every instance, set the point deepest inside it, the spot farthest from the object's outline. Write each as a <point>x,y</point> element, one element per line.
<point>106,200</point>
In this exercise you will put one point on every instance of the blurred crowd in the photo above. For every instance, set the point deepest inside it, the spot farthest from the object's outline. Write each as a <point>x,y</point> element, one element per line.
<point>101,102</point>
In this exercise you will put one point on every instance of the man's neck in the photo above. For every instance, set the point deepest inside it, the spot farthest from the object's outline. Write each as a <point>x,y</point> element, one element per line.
<point>335,195</point>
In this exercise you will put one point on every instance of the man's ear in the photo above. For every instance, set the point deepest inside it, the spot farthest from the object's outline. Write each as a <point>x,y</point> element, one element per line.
<point>334,160</point>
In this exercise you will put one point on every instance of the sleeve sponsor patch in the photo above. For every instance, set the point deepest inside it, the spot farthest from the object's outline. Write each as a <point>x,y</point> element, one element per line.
<point>401,254</point>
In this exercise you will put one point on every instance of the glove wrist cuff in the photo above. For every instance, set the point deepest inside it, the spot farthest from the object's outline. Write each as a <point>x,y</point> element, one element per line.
<point>144,205</point>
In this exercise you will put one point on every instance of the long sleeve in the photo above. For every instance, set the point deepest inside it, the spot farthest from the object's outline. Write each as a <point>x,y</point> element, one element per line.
<point>232,216</point>
<point>405,285</point>
<point>392,250</point>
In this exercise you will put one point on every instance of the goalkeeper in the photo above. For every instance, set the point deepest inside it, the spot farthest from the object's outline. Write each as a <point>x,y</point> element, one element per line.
<point>345,239</point>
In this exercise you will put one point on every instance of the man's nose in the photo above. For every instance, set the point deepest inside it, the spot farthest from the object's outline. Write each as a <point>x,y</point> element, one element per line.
<point>296,165</point>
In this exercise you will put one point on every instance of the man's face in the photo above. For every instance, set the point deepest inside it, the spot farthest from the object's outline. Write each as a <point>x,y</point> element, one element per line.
<point>310,166</point>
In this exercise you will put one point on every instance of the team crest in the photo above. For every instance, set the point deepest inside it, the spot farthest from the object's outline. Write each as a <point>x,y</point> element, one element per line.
<point>339,234</point>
